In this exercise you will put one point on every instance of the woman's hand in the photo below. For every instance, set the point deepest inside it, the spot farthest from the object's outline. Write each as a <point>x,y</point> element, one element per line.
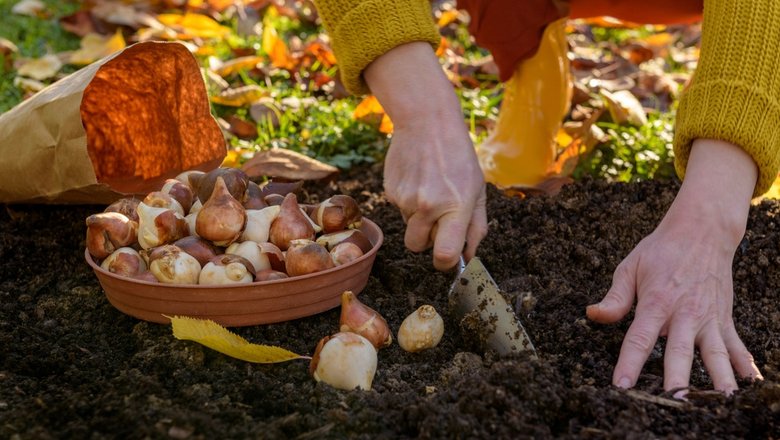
<point>431,170</point>
<point>681,276</point>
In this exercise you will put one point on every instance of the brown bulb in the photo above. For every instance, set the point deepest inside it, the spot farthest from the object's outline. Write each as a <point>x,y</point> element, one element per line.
<point>357,317</point>
<point>222,217</point>
<point>305,257</point>
<point>290,224</point>
<point>108,231</point>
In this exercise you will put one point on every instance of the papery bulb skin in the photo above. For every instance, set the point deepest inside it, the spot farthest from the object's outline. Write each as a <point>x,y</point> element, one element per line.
<point>252,252</point>
<point>146,275</point>
<point>338,213</point>
<point>222,218</point>
<point>171,265</point>
<point>235,181</point>
<point>305,256</point>
<point>126,206</point>
<point>158,226</point>
<point>357,317</point>
<point>159,199</point>
<point>181,192</point>
<point>290,224</point>
<point>345,361</point>
<point>185,177</point>
<point>227,269</point>
<point>274,199</point>
<point>254,198</point>
<point>274,255</point>
<point>258,224</point>
<point>355,236</point>
<point>270,275</point>
<point>345,253</point>
<point>109,231</point>
<point>201,249</point>
<point>125,262</point>
<point>421,330</point>
<point>196,207</point>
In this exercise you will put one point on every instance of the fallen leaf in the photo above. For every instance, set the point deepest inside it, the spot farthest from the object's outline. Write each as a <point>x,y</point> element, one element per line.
<point>287,164</point>
<point>29,85</point>
<point>95,47</point>
<point>774,190</point>
<point>239,97</point>
<point>624,108</point>
<point>117,13</point>
<point>237,64</point>
<point>191,25</point>
<point>32,8</point>
<point>41,68</point>
<point>241,128</point>
<point>322,52</point>
<point>370,110</point>
<point>275,48</point>
<point>447,17</point>
<point>80,23</point>
<point>7,52</point>
<point>216,337</point>
<point>265,110</point>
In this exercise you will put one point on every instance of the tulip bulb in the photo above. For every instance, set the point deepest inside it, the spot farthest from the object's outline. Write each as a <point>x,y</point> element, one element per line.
<point>234,179</point>
<point>171,265</point>
<point>421,330</point>
<point>196,206</point>
<point>185,177</point>
<point>227,269</point>
<point>357,317</point>
<point>251,251</point>
<point>158,226</point>
<point>126,206</point>
<point>274,199</point>
<point>181,192</point>
<point>192,223</point>
<point>270,275</point>
<point>258,224</point>
<point>222,218</point>
<point>253,199</point>
<point>108,231</point>
<point>355,236</point>
<point>146,275</point>
<point>290,224</point>
<point>305,257</point>
<point>125,262</point>
<point>159,199</point>
<point>202,250</point>
<point>338,213</point>
<point>345,253</point>
<point>345,361</point>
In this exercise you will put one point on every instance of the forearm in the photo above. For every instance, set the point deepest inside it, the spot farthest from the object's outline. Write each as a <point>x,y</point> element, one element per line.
<point>734,95</point>
<point>410,84</point>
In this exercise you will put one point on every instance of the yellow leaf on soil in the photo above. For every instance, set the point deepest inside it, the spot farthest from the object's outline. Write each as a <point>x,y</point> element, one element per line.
<point>276,48</point>
<point>41,68</point>
<point>191,25</point>
<point>239,97</point>
<point>95,47</point>
<point>624,107</point>
<point>216,337</point>
<point>447,17</point>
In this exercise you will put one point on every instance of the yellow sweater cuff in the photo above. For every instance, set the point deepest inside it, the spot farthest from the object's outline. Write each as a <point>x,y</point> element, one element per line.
<point>735,93</point>
<point>362,31</point>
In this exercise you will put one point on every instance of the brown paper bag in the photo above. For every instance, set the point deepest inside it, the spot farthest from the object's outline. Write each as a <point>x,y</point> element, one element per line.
<point>119,126</point>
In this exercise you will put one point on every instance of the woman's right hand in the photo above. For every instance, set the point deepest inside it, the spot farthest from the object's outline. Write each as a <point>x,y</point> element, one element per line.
<point>431,170</point>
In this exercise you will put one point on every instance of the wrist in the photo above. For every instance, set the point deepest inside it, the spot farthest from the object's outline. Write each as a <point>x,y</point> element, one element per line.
<point>717,189</point>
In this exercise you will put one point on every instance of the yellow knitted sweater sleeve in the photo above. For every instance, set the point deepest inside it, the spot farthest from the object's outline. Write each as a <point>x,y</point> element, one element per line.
<point>735,92</point>
<point>363,30</point>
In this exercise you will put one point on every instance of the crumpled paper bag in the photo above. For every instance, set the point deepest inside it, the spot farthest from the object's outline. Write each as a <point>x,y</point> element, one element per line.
<point>119,126</point>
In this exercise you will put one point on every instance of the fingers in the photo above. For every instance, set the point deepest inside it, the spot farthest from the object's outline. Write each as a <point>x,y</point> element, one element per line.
<point>678,356</point>
<point>620,296</point>
<point>418,232</point>
<point>449,239</point>
<point>716,358</point>
<point>637,345</point>
<point>740,357</point>
<point>477,228</point>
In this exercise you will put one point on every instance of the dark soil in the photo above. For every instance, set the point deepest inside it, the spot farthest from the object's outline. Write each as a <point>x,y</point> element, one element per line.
<point>72,366</point>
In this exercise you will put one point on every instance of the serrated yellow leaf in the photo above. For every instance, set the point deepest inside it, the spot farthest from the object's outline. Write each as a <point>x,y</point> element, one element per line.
<point>216,337</point>
<point>95,47</point>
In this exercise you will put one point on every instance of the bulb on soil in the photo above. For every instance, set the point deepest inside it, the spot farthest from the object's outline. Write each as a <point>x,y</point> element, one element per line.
<point>421,330</point>
<point>345,361</point>
<point>357,317</point>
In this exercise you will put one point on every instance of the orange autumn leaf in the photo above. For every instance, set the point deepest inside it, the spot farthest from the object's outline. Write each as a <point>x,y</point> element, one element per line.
<point>370,108</point>
<point>273,46</point>
<point>322,52</point>
<point>443,46</point>
<point>447,17</point>
<point>386,126</point>
<point>236,65</point>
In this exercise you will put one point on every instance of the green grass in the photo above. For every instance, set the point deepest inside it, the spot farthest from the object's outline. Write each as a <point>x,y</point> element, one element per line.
<point>34,37</point>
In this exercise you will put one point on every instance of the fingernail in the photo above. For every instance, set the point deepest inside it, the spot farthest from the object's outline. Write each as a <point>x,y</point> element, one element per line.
<point>624,383</point>
<point>680,395</point>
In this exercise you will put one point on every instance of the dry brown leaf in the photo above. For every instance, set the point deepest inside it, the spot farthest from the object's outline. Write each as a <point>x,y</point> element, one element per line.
<point>7,52</point>
<point>80,23</point>
<point>265,110</point>
<point>41,68</point>
<point>241,128</point>
<point>32,8</point>
<point>239,97</point>
<point>287,164</point>
<point>95,47</point>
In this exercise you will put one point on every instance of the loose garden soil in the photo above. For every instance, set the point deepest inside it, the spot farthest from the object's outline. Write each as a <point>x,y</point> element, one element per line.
<point>72,366</point>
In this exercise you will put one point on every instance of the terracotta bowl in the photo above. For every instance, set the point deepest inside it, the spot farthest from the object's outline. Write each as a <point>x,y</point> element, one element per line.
<point>245,304</point>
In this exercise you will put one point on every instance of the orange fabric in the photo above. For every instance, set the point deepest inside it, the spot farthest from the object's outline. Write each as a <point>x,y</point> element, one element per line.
<point>512,29</point>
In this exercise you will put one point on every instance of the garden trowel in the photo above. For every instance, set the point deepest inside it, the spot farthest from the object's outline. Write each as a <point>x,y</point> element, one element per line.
<point>475,296</point>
